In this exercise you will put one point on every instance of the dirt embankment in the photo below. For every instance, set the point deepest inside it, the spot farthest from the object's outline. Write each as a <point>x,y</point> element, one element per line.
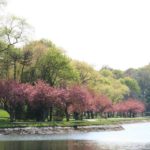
<point>58,130</point>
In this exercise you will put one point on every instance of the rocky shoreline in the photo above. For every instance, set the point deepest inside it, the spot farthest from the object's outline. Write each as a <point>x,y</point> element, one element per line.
<point>57,130</point>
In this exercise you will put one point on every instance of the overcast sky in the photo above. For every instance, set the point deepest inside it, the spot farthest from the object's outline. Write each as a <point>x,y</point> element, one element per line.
<point>101,32</point>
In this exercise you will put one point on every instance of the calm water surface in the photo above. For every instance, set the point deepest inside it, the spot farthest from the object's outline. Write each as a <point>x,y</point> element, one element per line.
<point>134,137</point>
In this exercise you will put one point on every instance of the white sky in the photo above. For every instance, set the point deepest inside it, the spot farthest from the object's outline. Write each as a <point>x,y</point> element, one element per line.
<point>101,32</point>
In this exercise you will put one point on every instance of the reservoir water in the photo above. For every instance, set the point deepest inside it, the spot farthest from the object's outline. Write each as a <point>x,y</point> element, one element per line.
<point>134,137</point>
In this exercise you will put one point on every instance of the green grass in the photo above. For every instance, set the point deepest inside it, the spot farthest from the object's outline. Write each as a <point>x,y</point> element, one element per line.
<point>71,123</point>
<point>4,114</point>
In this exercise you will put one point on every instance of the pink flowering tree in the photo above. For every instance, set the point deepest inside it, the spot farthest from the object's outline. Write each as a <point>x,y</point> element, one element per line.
<point>129,107</point>
<point>102,104</point>
<point>12,98</point>
<point>80,97</point>
<point>41,100</point>
<point>64,101</point>
<point>134,106</point>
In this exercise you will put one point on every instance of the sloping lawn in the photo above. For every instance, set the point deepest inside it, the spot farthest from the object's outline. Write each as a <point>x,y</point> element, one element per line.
<point>3,114</point>
<point>5,123</point>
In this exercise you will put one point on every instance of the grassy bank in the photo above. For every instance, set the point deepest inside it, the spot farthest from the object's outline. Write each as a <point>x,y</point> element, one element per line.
<point>111,121</point>
<point>5,122</point>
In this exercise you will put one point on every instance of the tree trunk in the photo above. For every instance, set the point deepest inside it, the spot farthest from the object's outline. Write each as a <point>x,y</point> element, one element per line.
<point>15,69</point>
<point>22,73</point>
<point>88,115</point>
<point>7,65</point>
<point>12,116</point>
<point>51,113</point>
<point>66,113</point>
<point>76,115</point>
<point>92,115</point>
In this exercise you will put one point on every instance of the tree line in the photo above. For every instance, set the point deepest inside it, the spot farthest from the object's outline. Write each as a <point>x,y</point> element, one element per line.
<point>43,102</point>
<point>43,60</point>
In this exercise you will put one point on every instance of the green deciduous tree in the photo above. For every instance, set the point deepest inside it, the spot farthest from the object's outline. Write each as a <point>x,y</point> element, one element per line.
<point>132,85</point>
<point>111,87</point>
<point>25,61</point>
<point>87,74</point>
<point>142,75</point>
<point>13,30</point>
<point>15,57</point>
<point>55,66</point>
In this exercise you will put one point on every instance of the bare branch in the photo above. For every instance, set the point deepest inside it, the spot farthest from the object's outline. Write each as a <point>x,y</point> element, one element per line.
<point>13,31</point>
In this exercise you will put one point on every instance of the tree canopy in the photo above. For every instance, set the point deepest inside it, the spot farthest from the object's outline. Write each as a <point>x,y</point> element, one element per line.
<point>39,81</point>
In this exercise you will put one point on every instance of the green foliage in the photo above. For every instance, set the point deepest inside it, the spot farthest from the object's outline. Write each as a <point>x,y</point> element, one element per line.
<point>9,63</point>
<point>132,85</point>
<point>15,57</point>
<point>13,30</point>
<point>55,67</point>
<point>118,74</point>
<point>87,74</point>
<point>110,86</point>
<point>113,89</point>
<point>106,73</point>
<point>142,76</point>
<point>38,48</point>
<point>4,114</point>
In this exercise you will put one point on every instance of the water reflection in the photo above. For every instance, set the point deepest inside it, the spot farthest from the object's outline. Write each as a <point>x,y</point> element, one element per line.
<point>48,145</point>
<point>68,145</point>
<point>134,137</point>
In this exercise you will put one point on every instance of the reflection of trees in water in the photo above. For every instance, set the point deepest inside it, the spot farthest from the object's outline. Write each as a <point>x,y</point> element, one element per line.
<point>83,145</point>
<point>49,145</point>
<point>68,145</point>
